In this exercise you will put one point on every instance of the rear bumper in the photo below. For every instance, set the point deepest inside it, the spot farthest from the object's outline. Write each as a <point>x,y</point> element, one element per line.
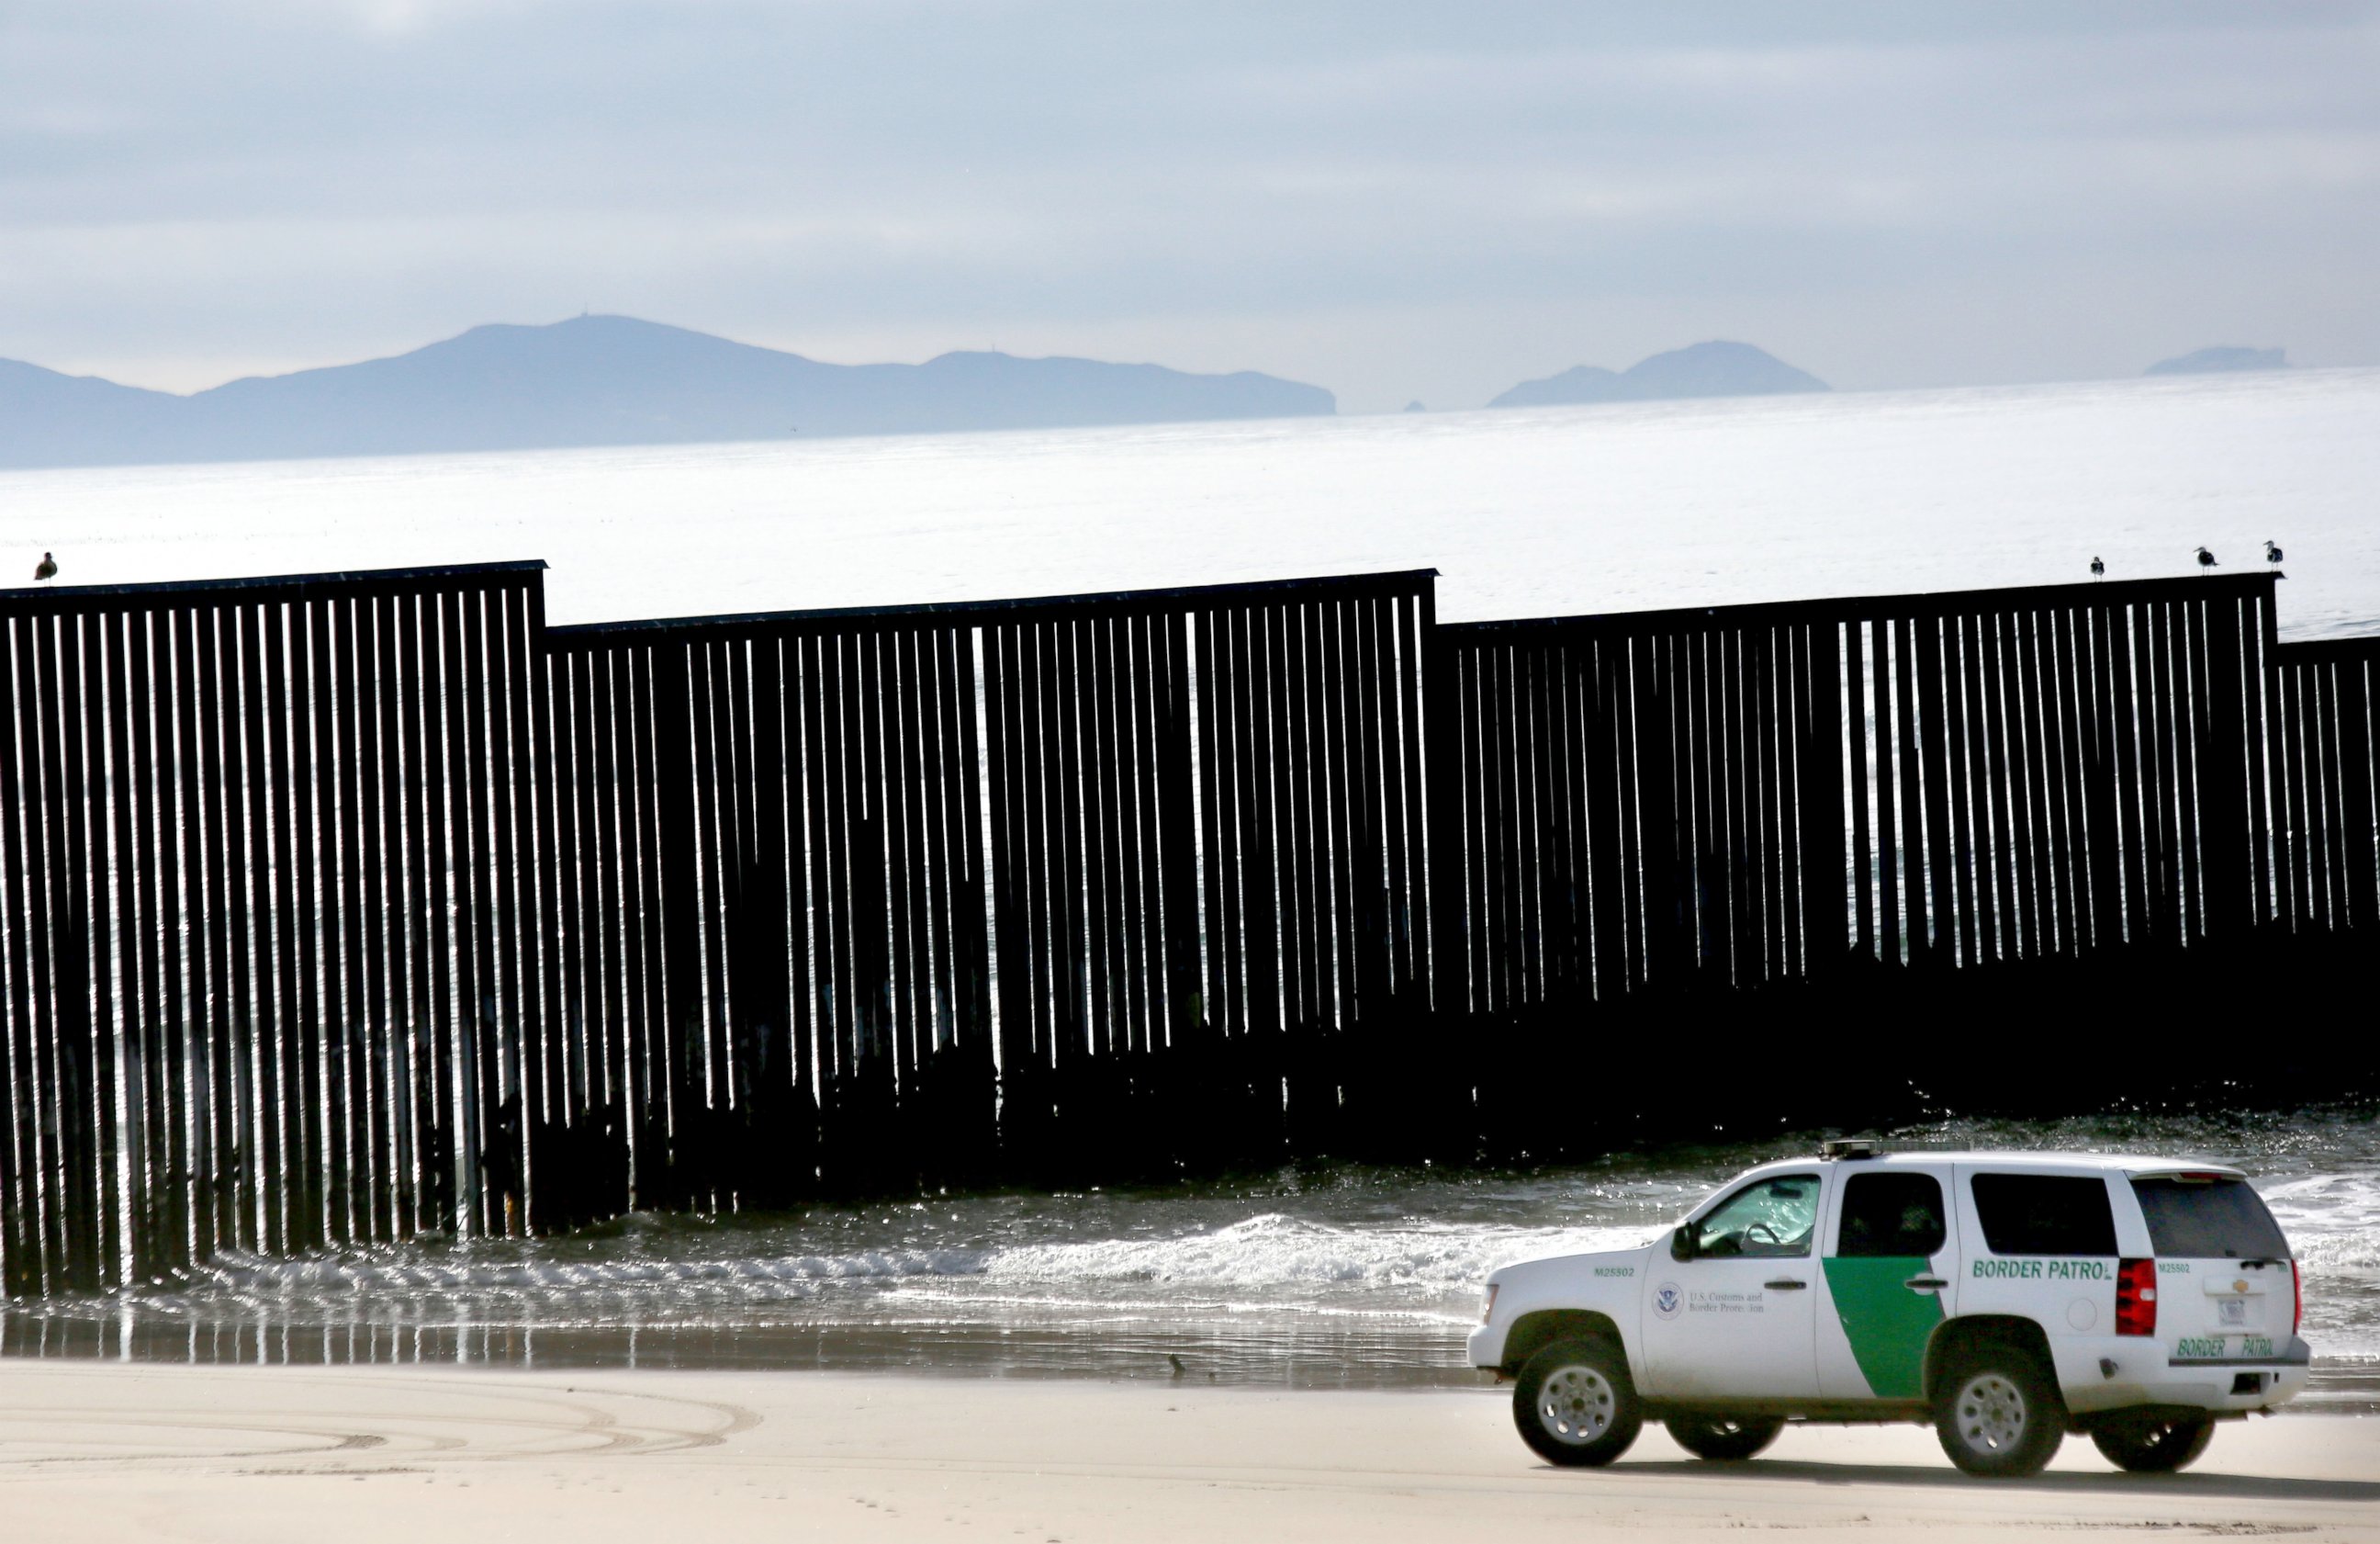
<point>2146,1372</point>
<point>1486,1346</point>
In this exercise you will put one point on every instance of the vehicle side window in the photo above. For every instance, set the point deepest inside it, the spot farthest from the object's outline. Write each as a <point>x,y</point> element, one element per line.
<point>1768,1217</point>
<point>2044,1214</point>
<point>1886,1213</point>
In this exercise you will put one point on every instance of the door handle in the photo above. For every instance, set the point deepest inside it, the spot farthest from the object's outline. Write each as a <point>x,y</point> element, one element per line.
<point>1786,1284</point>
<point>1926,1283</point>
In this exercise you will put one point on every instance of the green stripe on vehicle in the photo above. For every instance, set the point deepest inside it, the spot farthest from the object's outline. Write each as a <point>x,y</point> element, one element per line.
<point>1886,1324</point>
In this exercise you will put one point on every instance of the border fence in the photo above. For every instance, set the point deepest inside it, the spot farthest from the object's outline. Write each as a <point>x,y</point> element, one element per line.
<point>340,909</point>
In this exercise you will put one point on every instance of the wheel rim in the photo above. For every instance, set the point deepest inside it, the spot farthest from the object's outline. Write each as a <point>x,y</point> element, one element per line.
<point>1576,1405</point>
<point>1991,1413</point>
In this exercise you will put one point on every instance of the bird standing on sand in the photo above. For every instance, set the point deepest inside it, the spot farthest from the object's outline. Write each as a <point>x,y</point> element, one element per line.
<point>2098,569</point>
<point>45,569</point>
<point>2205,558</point>
<point>2272,553</point>
<point>1178,1368</point>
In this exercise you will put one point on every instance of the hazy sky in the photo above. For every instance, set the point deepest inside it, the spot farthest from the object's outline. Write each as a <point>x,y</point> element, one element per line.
<point>1392,200</point>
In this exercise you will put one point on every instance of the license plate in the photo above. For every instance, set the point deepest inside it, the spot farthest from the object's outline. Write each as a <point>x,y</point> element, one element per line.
<point>2231,1311</point>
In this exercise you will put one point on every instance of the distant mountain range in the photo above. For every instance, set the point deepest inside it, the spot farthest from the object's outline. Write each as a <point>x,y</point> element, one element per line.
<point>1703,369</point>
<point>2212,361</point>
<point>599,381</point>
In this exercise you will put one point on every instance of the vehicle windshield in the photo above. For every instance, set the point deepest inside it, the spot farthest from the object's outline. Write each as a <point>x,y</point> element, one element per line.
<point>2209,1219</point>
<point>1767,1217</point>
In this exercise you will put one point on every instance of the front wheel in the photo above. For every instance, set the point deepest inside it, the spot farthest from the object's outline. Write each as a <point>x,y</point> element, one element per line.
<point>2153,1445</point>
<point>1723,1437</point>
<point>1575,1403</point>
<point>1998,1414</point>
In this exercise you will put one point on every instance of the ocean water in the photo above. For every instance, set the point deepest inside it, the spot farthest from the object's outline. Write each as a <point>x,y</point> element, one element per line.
<point>1529,513</point>
<point>1326,1276</point>
<point>1331,1276</point>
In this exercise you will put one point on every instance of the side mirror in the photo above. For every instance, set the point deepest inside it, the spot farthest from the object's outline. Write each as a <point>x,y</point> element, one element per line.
<point>1683,1241</point>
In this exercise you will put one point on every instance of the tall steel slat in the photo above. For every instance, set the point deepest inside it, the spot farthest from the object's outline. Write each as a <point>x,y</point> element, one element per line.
<point>2037,768</point>
<point>1890,932</point>
<point>2170,704</point>
<point>314,765</point>
<point>1917,781</point>
<point>2323,729</point>
<point>521,922</point>
<point>444,854</point>
<point>2136,773</point>
<point>2257,689</point>
<point>290,731</point>
<point>133,1029</point>
<point>1177,854</point>
<point>24,1262</point>
<point>835,712</point>
<point>1004,880</point>
<point>544,795</point>
<point>973,926</point>
<point>50,925</point>
<point>1864,865</point>
<point>2110,835</point>
<point>365,1005</point>
<point>1735,800</point>
<point>476,1089</point>
<point>1980,862</point>
<point>1041,871</point>
<point>90,791</point>
<point>2064,784</point>
<point>205,857</point>
<point>2192,735</point>
<point>2230,894</point>
<point>1293,813</point>
<point>695,896</point>
<point>178,817</point>
<point>1093,695</point>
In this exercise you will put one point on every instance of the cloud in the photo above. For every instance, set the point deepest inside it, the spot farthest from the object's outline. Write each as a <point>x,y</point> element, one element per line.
<point>190,189</point>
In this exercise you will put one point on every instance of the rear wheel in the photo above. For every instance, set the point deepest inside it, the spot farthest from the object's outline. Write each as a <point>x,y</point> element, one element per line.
<point>1997,1412</point>
<point>2152,1444</point>
<point>1723,1437</point>
<point>1575,1403</point>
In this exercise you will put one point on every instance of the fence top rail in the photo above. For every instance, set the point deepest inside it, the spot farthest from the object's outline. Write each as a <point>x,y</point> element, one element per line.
<point>1862,608</point>
<point>48,599</point>
<point>593,635</point>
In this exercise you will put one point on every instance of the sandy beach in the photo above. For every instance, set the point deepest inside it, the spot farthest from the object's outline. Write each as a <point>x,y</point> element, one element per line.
<point>93,1452</point>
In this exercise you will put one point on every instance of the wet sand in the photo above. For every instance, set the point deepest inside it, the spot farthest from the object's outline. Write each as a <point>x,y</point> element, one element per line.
<point>91,1452</point>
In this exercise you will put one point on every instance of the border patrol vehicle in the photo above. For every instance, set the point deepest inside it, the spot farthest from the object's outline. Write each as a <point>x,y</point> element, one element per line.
<point>2006,1298</point>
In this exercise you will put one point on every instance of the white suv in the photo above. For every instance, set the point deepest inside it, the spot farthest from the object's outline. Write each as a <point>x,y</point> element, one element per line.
<point>2005,1297</point>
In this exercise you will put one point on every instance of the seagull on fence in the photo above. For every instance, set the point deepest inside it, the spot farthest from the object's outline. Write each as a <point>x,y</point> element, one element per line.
<point>45,569</point>
<point>2098,569</point>
<point>2272,553</point>
<point>2205,558</point>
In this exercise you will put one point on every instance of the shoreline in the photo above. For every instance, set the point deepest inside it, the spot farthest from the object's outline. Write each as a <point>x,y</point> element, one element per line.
<point>967,1352</point>
<point>99,1451</point>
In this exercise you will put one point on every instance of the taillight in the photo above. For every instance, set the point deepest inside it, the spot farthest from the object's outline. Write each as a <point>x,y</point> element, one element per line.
<point>2297,1298</point>
<point>2136,1297</point>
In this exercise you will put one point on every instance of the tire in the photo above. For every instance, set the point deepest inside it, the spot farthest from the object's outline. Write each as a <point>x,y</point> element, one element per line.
<point>1724,1438</point>
<point>2152,1444</point>
<point>1575,1403</point>
<point>1997,1412</point>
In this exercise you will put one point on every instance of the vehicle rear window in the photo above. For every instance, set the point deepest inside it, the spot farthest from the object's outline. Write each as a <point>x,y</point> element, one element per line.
<point>2044,1214</point>
<point>1890,1215</point>
<point>2222,1219</point>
